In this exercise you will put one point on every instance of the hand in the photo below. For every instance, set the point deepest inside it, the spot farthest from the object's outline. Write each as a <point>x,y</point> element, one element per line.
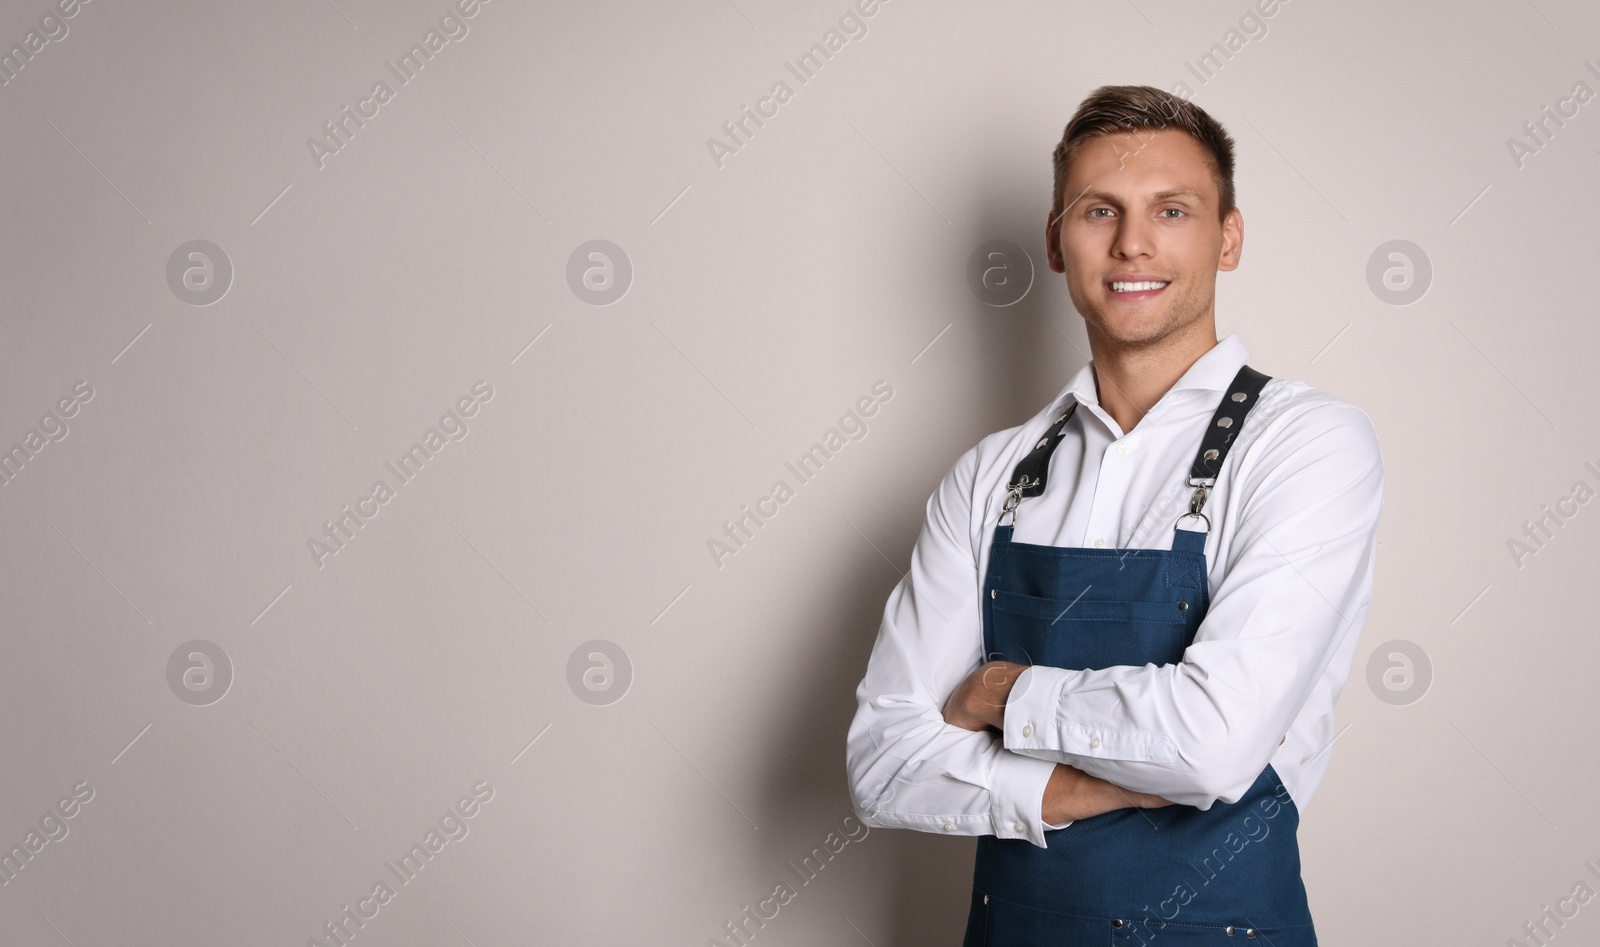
<point>1072,794</point>
<point>979,702</point>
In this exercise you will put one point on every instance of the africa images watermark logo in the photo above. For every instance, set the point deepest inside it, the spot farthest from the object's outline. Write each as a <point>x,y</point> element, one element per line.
<point>1252,29</point>
<point>1252,829</point>
<point>738,530</point>
<point>451,827</point>
<point>1538,531</point>
<point>52,29</point>
<point>53,827</point>
<point>1542,930</point>
<point>338,132</point>
<point>338,532</point>
<point>1539,131</point>
<point>1399,272</point>
<point>738,131</point>
<point>50,430</point>
<point>754,918</point>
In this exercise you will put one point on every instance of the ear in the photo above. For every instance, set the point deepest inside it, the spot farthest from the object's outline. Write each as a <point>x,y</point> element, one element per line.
<point>1052,242</point>
<point>1232,240</point>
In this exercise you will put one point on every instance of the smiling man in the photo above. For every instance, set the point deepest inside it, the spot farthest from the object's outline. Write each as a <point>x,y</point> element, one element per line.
<point>1116,655</point>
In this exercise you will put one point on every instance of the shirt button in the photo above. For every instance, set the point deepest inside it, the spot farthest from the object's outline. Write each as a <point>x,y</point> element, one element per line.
<point>1027,729</point>
<point>1100,542</point>
<point>1020,826</point>
<point>1094,743</point>
<point>949,826</point>
<point>1122,448</point>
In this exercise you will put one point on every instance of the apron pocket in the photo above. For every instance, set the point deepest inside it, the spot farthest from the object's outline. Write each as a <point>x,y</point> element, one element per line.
<point>1059,611</point>
<point>1174,934</point>
<point>1087,635</point>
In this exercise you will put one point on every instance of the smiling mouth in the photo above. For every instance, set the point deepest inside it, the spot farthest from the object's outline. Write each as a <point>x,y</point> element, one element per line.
<point>1134,288</point>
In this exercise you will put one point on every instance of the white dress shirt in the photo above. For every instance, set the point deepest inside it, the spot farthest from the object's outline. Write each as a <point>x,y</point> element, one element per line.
<point>1289,560</point>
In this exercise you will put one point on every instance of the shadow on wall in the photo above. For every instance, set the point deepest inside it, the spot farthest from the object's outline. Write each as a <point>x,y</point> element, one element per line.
<point>1019,356</point>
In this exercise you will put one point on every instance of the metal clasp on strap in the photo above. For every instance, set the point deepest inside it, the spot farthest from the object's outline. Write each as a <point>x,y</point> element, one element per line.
<point>1014,497</point>
<point>1202,490</point>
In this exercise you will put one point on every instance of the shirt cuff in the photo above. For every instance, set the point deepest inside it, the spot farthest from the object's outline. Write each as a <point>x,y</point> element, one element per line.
<point>1031,706</point>
<point>1016,792</point>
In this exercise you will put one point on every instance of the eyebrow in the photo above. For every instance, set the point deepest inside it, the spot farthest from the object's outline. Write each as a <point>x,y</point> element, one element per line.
<point>1158,196</point>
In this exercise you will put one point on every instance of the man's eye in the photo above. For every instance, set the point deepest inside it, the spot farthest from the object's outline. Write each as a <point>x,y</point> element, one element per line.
<point>1173,210</point>
<point>1095,210</point>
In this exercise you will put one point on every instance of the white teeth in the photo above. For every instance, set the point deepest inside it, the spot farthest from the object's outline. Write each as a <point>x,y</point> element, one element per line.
<point>1121,287</point>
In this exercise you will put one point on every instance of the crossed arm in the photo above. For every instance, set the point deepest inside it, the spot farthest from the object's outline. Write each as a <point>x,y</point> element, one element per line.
<point>1300,519</point>
<point>979,703</point>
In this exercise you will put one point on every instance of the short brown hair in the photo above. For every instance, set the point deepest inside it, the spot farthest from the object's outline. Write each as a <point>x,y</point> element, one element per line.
<point>1114,108</point>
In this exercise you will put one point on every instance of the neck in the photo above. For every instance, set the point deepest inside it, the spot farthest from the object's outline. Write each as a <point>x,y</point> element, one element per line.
<point>1130,379</point>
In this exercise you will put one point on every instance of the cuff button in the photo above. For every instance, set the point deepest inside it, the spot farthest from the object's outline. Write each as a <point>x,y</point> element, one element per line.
<point>1027,729</point>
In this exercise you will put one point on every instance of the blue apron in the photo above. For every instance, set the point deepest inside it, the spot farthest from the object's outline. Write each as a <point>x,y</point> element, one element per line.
<point>1175,875</point>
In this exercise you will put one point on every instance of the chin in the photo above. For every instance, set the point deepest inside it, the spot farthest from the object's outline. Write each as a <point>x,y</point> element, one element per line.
<point>1135,333</point>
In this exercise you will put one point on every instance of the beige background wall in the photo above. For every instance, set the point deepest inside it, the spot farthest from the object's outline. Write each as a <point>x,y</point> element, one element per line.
<point>344,705</point>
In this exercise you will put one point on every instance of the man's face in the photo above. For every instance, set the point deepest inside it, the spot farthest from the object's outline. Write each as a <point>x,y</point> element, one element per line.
<point>1141,207</point>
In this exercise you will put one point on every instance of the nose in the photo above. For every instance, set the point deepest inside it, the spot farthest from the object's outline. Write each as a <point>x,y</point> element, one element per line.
<point>1133,238</point>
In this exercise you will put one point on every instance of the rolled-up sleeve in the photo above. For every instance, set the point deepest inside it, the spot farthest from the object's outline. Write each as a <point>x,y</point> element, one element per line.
<point>907,767</point>
<point>1303,515</point>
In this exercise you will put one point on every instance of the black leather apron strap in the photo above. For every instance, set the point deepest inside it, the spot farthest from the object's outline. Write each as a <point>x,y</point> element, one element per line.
<point>1032,470</point>
<point>1237,401</point>
<point>1240,396</point>
<point>1029,476</point>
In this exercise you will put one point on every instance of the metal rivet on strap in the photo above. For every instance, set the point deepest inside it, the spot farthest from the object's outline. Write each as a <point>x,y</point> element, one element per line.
<point>1211,454</point>
<point>985,899</point>
<point>1224,422</point>
<point>1229,930</point>
<point>1183,606</point>
<point>1238,396</point>
<point>1249,932</point>
<point>1116,922</point>
<point>1041,444</point>
<point>992,593</point>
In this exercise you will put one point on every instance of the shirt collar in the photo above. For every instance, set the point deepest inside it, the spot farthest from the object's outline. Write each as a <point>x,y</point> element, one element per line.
<point>1210,372</point>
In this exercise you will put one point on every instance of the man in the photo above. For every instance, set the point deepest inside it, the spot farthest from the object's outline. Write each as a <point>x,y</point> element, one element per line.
<point>1116,655</point>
